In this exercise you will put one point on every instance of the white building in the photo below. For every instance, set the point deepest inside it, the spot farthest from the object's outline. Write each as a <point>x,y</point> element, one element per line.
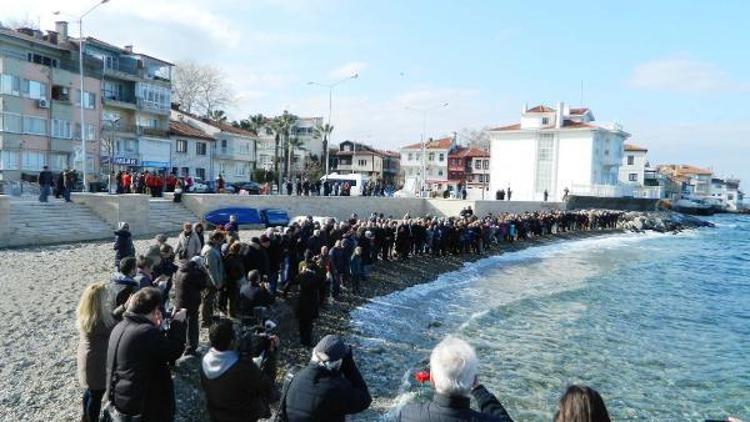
<point>725,193</point>
<point>554,149</point>
<point>233,154</point>
<point>435,163</point>
<point>191,151</point>
<point>303,129</point>
<point>633,166</point>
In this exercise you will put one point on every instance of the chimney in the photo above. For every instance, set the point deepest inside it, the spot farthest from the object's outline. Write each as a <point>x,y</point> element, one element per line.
<point>61,27</point>
<point>51,37</point>
<point>559,115</point>
<point>129,49</point>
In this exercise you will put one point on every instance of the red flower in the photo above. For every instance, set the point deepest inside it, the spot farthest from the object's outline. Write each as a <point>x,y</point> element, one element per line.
<point>422,376</point>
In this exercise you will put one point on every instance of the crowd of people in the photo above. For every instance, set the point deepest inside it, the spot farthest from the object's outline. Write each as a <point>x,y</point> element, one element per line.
<point>134,327</point>
<point>302,186</point>
<point>60,185</point>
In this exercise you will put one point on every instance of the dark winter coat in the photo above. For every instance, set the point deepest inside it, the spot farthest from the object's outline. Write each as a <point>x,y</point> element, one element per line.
<point>253,296</point>
<point>123,245</point>
<point>120,288</point>
<point>239,393</point>
<point>189,280</point>
<point>319,395</point>
<point>339,260</point>
<point>256,259</point>
<point>141,380</point>
<point>308,300</point>
<point>456,409</point>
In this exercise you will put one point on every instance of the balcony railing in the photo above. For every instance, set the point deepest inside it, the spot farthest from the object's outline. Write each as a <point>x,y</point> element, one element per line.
<point>617,191</point>
<point>152,131</point>
<point>152,108</point>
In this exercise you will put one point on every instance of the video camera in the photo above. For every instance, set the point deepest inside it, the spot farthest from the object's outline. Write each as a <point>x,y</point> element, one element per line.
<point>255,337</point>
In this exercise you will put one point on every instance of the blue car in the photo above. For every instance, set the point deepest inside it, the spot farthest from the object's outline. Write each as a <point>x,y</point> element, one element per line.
<point>244,216</point>
<point>274,217</point>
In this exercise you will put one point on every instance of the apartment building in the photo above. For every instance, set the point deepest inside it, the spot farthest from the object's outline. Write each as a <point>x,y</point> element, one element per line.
<point>191,151</point>
<point>136,98</point>
<point>233,154</point>
<point>553,150</point>
<point>303,130</point>
<point>634,164</point>
<point>40,96</point>
<point>433,158</point>
<point>353,157</point>
<point>695,181</point>
<point>469,166</point>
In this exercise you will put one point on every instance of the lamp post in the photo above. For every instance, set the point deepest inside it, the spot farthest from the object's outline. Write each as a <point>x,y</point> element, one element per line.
<point>424,112</point>
<point>330,108</point>
<point>80,70</point>
<point>113,126</point>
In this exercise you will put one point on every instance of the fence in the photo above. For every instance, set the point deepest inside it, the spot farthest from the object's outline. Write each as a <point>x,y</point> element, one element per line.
<point>617,191</point>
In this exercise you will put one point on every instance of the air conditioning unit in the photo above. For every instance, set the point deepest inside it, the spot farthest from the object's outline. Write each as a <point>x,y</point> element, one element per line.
<point>42,103</point>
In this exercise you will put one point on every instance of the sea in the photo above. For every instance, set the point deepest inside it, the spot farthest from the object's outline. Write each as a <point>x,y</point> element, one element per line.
<point>659,324</point>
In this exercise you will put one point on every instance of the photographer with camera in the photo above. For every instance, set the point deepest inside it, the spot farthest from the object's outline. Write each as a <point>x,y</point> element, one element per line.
<point>139,382</point>
<point>236,389</point>
<point>329,388</point>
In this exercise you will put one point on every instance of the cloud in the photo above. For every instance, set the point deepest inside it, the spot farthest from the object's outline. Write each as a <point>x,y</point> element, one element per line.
<point>347,70</point>
<point>685,75</point>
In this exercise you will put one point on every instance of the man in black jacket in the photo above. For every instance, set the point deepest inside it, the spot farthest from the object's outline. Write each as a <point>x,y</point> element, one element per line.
<point>236,390</point>
<point>329,388</point>
<point>453,373</point>
<point>45,181</point>
<point>189,281</point>
<point>138,377</point>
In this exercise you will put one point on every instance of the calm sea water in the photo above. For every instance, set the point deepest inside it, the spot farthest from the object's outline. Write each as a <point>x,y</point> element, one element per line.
<point>658,324</point>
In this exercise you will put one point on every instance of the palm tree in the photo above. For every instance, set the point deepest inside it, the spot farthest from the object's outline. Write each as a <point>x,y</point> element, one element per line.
<point>217,115</point>
<point>292,143</point>
<point>285,123</point>
<point>323,132</point>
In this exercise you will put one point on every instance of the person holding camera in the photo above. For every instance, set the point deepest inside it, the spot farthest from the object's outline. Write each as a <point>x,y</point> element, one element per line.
<point>453,373</point>
<point>329,388</point>
<point>189,282</point>
<point>236,389</point>
<point>139,382</point>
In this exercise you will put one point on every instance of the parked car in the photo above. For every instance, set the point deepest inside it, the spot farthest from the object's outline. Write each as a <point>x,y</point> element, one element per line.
<point>272,217</point>
<point>228,187</point>
<point>251,187</point>
<point>200,186</point>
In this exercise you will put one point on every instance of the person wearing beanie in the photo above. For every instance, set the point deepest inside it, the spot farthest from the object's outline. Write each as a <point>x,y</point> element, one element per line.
<point>123,243</point>
<point>329,388</point>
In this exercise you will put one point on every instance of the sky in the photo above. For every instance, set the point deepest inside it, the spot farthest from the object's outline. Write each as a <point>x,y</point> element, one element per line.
<point>675,74</point>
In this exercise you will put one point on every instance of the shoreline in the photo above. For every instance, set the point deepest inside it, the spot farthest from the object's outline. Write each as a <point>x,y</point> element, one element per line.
<point>335,318</point>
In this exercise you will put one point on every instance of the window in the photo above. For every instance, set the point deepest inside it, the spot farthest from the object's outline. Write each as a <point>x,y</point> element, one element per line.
<point>631,160</point>
<point>487,178</point>
<point>8,160</point>
<point>61,129</point>
<point>90,132</point>
<point>185,172</point>
<point>440,172</point>
<point>39,59</point>
<point>61,93</point>
<point>59,161</point>
<point>223,146</point>
<point>200,172</point>
<point>11,122</point>
<point>411,156</point>
<point>200,148</point>
<point>431,156</point>
<point>240,169</point>
<point>32,160</point>
<point>89,99</point>
<point>181,145</point>
<point>222,167</point>
<point>34,125</point>
<point>478,164</point>
<point>544,151</point>
<point>34,89</point>
<point>633,177</point>
<point>154,96</point>
<point>361,163</point>
<point>441,157</point>
<point>131,145</point>
<point>486,164</point>
<point>10,84</point>
<point>545,120</point>
<point>606,152</point>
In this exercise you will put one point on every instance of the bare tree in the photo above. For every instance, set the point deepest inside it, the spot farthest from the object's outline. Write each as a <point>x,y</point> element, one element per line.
<point>25,21</point>
<point>200,88</point>
<point>474,138</point>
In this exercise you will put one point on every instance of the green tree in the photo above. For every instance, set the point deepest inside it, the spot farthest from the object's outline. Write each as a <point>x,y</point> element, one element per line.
<point>323,132</point>
<point>285,123</point>
<point>217,115</point>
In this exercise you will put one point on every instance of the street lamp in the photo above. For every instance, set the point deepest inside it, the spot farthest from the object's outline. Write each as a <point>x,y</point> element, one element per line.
<point>424,112</point>
<point>80,70</point>
<point>330,108</point>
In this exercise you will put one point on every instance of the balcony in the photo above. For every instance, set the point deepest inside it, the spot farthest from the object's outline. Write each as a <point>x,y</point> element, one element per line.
<point>152,132</point>
<point>119,101</point>
<point>151,107</point>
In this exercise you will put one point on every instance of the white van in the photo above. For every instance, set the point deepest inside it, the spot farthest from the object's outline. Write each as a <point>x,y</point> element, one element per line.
<point>356,182</point>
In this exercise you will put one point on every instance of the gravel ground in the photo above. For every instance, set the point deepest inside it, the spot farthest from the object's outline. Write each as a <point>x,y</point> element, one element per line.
<point>41,287</point>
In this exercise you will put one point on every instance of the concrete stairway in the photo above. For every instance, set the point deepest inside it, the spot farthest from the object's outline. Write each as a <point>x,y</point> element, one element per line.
<point>166,216</point>
<point>37,223</point>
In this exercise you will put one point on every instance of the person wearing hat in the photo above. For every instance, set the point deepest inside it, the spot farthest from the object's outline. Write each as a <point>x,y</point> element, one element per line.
<point>329,388</point>
<point>189,281</point>
<point>123,243</point>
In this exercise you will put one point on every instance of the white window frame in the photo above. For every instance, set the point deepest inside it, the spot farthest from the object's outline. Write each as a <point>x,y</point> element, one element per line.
<point>27,126</point>
<point>181,146</point>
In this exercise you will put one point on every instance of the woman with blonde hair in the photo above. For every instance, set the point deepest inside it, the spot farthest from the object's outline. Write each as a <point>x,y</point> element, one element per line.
<point>94,320</point>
